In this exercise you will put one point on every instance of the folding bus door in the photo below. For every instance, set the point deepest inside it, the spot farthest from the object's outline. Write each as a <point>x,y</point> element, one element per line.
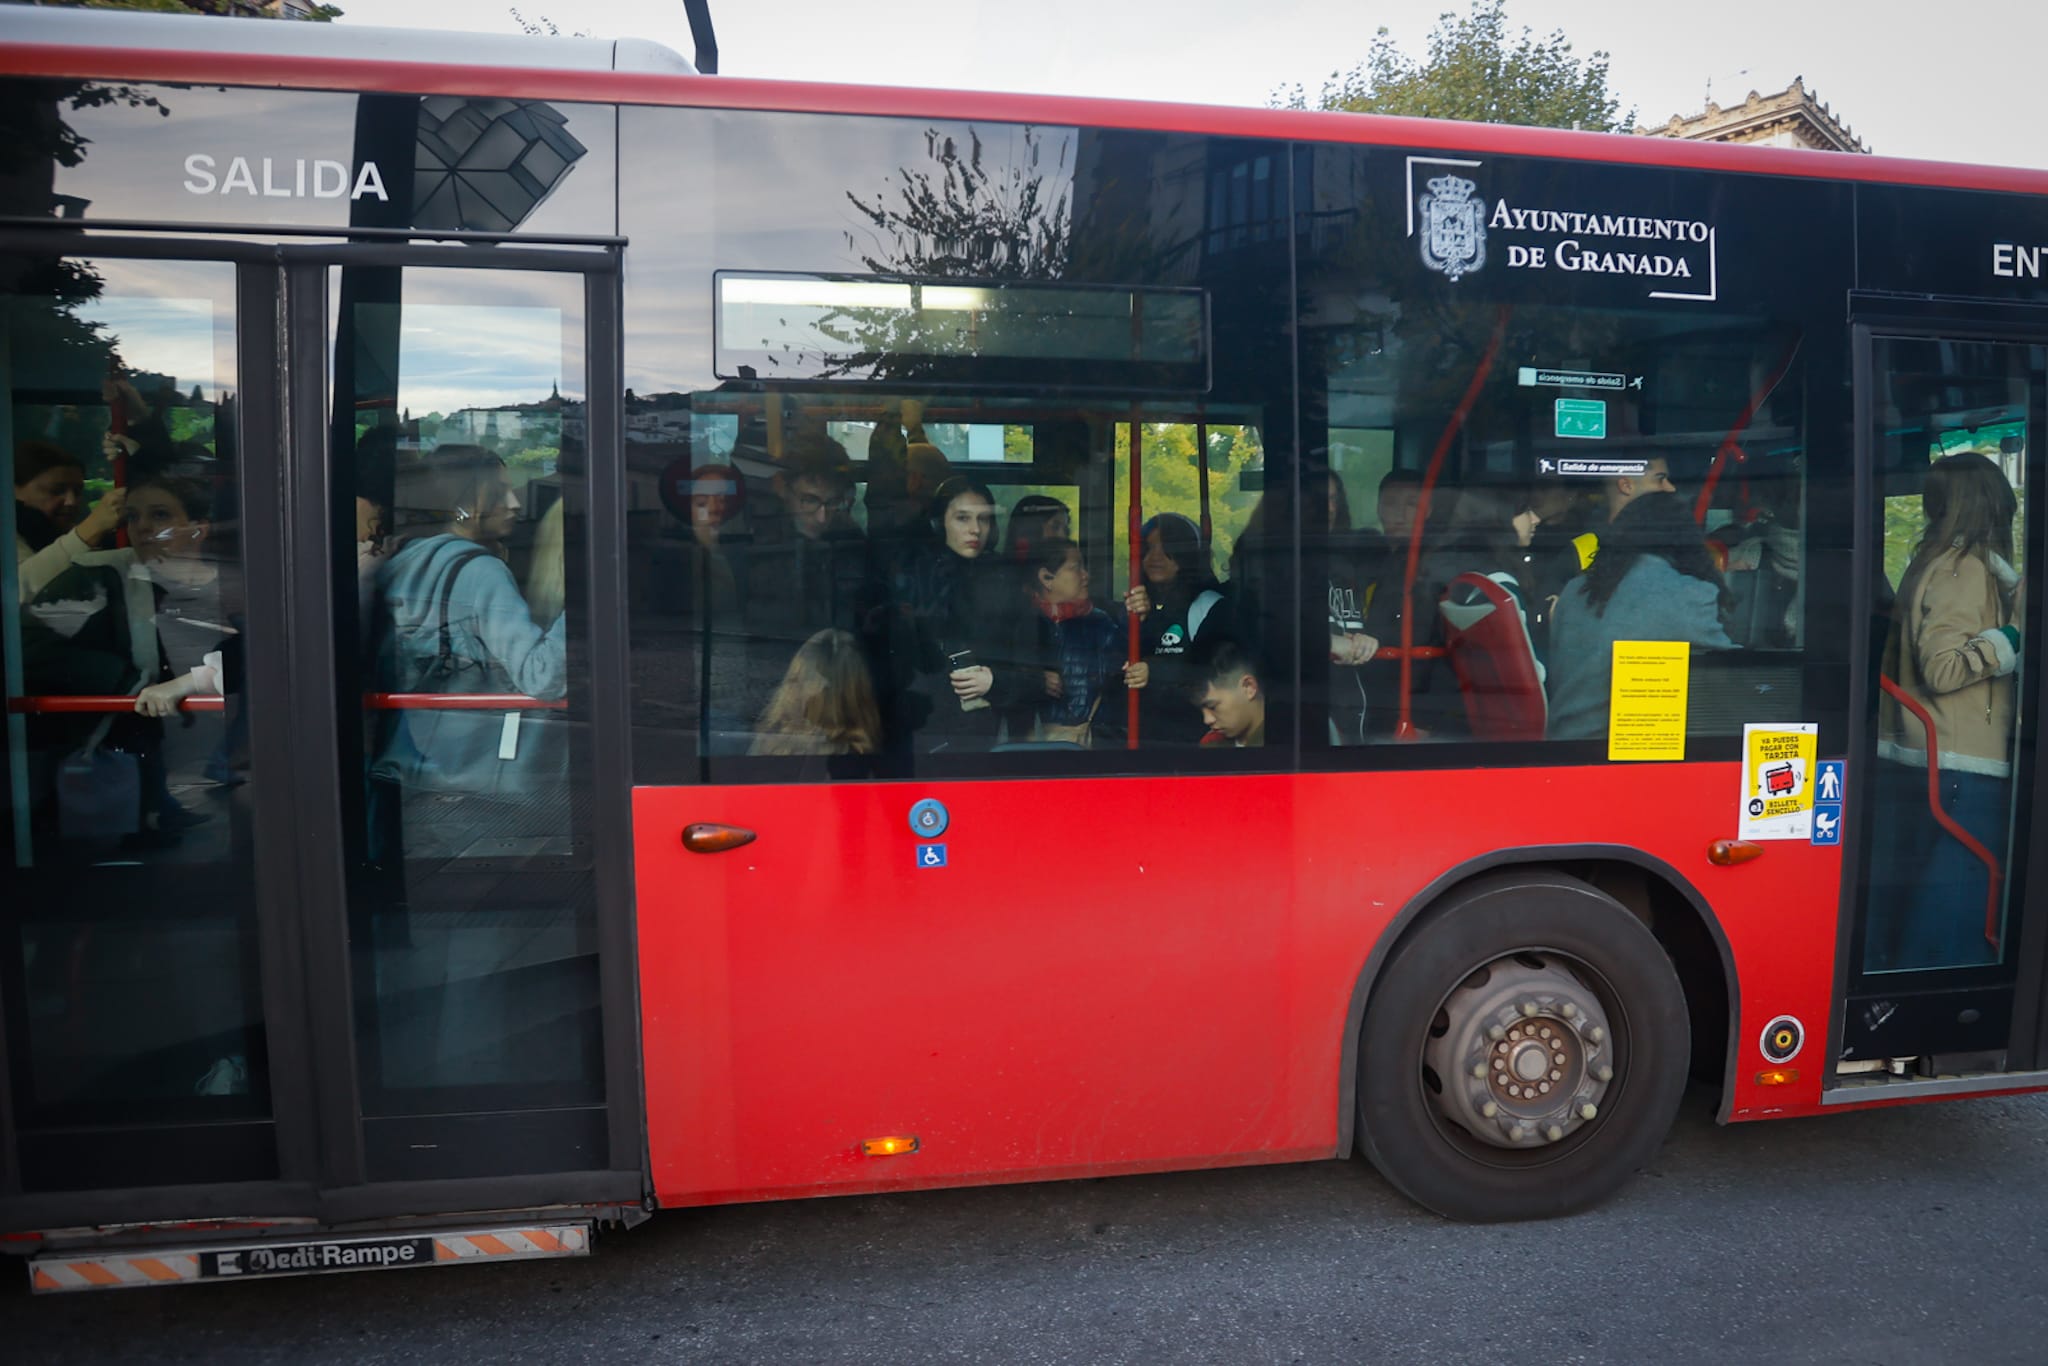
<point>1943,953</point>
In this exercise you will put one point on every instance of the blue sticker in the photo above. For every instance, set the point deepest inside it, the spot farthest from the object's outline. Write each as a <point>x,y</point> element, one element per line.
<point>1827,821</point>
<point>929,819</point>
<point>931,855</point>
<point>1829,782</point>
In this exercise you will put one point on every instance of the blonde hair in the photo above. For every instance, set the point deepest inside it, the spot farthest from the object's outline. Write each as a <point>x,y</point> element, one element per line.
<point>825,703</point>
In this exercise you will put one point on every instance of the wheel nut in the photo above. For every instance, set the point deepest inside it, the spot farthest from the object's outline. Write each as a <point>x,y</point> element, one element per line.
<point>1553,1133</point>
<point>1530,1008</point>
<point>1589,1111</point>
<point>1489,1109</point>
<point>1596,1033</point>
<point>1479,1071</point>
<point>1544,1087</point>
<point>1496,1032</point>
<point>1570,1011</point>
<point>1557,1076</point>
<point>1604,1072</point>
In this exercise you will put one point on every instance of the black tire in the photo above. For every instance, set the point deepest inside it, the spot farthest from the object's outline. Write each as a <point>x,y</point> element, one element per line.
<point>1435,1162</point>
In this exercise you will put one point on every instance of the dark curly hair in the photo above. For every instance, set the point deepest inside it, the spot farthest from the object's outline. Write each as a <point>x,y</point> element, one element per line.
<point>1654,524</point>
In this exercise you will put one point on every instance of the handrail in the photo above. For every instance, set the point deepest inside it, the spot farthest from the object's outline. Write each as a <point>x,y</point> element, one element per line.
<point>1941,817</point>
<point>95,703</point>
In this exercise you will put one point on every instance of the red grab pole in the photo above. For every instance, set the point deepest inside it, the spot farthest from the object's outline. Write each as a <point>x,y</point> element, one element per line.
<point>1137,548</point>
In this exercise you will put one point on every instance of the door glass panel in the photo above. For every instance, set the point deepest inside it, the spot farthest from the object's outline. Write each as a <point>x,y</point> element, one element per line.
<point>1955,438</point>
<point>127,937</point>
<point>458,441</point>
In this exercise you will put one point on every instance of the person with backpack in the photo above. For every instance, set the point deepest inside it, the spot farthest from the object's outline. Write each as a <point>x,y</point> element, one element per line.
<point>1184,611</point>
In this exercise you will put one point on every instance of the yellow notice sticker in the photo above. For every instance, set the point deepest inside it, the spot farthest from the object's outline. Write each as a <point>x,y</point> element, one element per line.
<point>1777,782</point>
<point>1646,709</point>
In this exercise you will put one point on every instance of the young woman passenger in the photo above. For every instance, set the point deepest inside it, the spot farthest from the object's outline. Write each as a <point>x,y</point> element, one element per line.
<point>825,703</point>
<point>49,533</point>
<point>1184,608</point>
<point>1082,646</point>
<point>1652,580</point>
<point>1953,647</point>
<point>959,631</point>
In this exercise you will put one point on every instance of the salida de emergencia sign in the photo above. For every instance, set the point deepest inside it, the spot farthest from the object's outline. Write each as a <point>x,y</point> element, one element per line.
<point>1777,781</point>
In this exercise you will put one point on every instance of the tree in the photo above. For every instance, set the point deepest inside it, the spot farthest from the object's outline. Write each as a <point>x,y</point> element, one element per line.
<point>1480,72</point>
<point>243,9</point>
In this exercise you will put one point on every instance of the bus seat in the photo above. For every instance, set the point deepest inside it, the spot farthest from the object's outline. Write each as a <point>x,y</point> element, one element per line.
<point>1486,635</point>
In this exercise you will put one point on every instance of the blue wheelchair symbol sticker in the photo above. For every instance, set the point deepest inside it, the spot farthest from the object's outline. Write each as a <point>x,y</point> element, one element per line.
<point>1827,822</point>
<point>931,855</point>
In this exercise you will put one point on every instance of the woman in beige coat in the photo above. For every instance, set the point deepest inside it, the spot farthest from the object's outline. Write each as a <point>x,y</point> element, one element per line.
<point>1954,647</point>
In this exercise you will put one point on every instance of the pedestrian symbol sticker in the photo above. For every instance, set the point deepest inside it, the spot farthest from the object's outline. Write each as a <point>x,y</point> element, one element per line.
<point>1779,775</point>
<point>1828,783</point>
<point>931,855</point>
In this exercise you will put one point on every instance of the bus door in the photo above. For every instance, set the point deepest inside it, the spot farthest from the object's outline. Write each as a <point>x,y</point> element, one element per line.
<point>1943,954</point>
<point>307,911</point>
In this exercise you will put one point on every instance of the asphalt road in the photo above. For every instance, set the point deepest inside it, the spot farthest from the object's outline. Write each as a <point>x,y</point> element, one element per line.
<point>1909,1235</point>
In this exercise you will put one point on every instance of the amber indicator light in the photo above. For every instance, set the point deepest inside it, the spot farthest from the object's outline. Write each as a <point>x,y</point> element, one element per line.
<point>1725,853</point>
<point>1778,1076</point>
<point>894,1145</point>
<point>706,838</point>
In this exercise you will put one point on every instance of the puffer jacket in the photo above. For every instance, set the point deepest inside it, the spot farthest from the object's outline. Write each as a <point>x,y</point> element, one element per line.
<point>1953,648</point>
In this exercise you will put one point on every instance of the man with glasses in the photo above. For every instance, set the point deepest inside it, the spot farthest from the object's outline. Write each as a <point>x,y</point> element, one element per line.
<point>822,575</point>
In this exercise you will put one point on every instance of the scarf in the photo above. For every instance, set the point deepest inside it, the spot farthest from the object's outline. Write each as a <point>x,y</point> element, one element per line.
<point>1057,612</point>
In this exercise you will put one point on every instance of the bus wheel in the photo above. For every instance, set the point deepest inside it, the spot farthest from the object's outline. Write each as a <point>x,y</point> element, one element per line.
<point>1524,1051</point>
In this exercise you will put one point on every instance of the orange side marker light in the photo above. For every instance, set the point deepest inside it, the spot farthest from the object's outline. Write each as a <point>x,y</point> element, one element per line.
<point>1778,1076</point>
<point>1727,853</point>
<point>894,1145</point>
<point>708,838</point>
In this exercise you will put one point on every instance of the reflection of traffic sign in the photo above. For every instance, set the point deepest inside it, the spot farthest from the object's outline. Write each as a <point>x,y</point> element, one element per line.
<point>1827,787</point>
<point>931,855</point>
<point>1827,823</point>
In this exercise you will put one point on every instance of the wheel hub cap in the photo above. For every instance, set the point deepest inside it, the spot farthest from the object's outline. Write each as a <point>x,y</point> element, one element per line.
<point>1527,1055</point>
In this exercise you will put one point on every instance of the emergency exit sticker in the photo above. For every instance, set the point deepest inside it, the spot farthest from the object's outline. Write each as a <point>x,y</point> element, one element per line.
<point>1778,779</point>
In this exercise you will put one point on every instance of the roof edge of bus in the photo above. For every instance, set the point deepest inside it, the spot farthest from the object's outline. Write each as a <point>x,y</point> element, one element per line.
<point>636,71</point>
<point>207,34</point>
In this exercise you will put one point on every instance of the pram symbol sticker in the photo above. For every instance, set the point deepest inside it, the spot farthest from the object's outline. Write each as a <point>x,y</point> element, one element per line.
<point>1777,782</point>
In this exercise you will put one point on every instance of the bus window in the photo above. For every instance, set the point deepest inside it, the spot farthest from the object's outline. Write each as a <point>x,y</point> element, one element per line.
<point>129,942</point>
<point>1686,470</point>
<point>471,918</point>
<point>1954,457</point>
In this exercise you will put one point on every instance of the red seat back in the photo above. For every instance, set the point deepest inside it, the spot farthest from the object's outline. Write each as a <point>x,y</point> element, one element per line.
<point>1487,638</point>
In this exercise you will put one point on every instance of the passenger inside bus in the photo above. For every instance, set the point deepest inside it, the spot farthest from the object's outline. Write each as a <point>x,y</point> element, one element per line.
<point>451,619</point>
<point>1185,614</point>
<point>1953,648</point>
<point>1081,647</point>
<point>150,620</point>
<point>1035,520</point>
<point>825,704</point>
<point>1232,699</point>
<point>1652,580</point>
<point>49,498</point>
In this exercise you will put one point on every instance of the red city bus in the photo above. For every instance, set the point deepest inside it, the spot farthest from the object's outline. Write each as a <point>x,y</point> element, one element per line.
<point>569,647</point>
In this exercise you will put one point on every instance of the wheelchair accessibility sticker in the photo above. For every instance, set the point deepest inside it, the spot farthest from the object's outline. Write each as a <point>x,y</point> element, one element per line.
<point>931,855</point>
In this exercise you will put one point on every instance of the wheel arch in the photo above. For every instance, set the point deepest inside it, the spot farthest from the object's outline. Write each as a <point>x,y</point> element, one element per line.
<point>1712,989</point>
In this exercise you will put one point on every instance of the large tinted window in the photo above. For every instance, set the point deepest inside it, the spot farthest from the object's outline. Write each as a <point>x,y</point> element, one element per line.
<point>890,382</point>
<point>1567,412</point>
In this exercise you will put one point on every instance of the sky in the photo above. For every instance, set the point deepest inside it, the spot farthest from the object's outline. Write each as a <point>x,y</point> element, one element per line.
<point>1961,80</point>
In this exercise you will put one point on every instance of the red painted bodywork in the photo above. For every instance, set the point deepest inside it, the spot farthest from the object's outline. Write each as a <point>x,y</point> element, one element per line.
<point>1109,975</point>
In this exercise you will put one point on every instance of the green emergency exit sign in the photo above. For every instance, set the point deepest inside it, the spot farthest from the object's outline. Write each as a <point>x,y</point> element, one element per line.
<point>1584,419</point>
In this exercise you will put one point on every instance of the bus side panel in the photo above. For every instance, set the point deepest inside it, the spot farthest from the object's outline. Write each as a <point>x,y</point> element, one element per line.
<point>1106,975</point>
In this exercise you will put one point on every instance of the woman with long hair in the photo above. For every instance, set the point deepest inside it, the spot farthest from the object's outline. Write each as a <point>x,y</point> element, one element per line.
<point>1652,580</point>
<point>1035,519</point>
<point>1953,647</point>
<point>1184,611</point>
<point>825,703</point>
